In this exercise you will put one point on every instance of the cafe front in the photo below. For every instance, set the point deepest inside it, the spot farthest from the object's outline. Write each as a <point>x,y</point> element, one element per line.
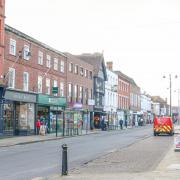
<point>50,112</point>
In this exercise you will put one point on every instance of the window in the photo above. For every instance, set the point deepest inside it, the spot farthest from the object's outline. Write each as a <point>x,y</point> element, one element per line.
<point>40,58</point>
<point>70,67</point>
<point>69,92</point>
<point>47,86</point>
<point>12,47</point>
<point>55,64</point>
<point>48,61</point>
<point>75,92</point>
<point>39,84</point>
<point>81,93</point>
<point>90,74</point>
<point>11,82</point>
<point>61,89</point>
<point>76,69</point>
<point>55,84</point>
<point>25,81</point>
<point>26,52</point>
<point>62,67</point>
<point>86,73</point>
<point>86,95</point>
<point>81,71</point>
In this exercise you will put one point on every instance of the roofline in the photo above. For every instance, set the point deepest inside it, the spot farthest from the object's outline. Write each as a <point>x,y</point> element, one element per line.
<point>29,38</point>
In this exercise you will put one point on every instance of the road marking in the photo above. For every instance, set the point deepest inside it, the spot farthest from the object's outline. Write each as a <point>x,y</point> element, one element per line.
<point>37,178</point>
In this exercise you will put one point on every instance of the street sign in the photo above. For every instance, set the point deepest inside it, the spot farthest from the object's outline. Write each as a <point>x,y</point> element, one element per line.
<point>177,143</point>
<point>54,90</point>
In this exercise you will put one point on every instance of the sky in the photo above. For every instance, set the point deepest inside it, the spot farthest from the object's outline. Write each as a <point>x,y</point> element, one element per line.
<point>141,37</point>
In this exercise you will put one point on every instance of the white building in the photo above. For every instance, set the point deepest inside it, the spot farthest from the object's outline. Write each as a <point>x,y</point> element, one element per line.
<point>146,107</point>
<point>111,101</point>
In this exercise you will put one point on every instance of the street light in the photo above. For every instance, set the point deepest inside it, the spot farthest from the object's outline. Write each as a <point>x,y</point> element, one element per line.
<point>170,90</point>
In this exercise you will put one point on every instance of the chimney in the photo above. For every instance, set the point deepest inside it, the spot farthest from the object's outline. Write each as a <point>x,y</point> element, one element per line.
<point>109,65</point>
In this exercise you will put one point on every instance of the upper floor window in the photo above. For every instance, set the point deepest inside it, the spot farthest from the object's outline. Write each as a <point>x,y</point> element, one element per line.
<point>11,82</point>
<point>61,88</point>
<point>62,66</point>
<point>75,91</point>
<point>90,74</point>
<point>26,53</point>
<point>81,71</point>
<point>12,47</point>
<point>76,69</point>
<point>69,90</point>
<point>86,73</point>
<point>25,81</point>
<point>47,86</point>
<point>70,67</point>
<point>55,64</point>
<point>48,61</point>
<point>40,58</point>
<point>39,84</point>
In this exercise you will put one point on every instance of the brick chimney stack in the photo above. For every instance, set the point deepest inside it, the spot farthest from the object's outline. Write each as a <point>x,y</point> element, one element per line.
<point>109,65</point>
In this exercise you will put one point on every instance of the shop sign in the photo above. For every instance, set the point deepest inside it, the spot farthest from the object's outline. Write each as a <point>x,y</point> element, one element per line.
<point>50,100</point>
<point>20,96</point>
<point>91,102</point>
<point>55,90</point>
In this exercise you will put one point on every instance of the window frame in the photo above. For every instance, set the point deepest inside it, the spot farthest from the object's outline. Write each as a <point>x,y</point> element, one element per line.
<point>12,44</point>
<point>27,85</point>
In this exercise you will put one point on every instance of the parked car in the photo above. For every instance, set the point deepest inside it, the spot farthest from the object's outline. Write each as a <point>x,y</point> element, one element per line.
<point>163,125</point>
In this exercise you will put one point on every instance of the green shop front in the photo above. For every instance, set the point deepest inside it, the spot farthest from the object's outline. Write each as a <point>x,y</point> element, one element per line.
<point>50,112</point>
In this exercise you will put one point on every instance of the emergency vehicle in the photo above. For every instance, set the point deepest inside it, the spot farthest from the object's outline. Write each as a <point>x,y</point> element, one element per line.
<point>163,125</point>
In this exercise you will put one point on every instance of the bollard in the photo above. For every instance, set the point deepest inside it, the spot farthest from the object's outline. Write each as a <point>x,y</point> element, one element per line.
<point>64,160</point>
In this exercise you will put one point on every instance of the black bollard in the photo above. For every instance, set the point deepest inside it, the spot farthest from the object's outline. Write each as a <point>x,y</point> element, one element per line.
<point>64,160</point>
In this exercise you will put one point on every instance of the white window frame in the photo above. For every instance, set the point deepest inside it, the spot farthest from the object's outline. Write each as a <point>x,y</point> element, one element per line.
<point>40,57</point>
<point>48,61</point>
<point>11,82</point>
<point>26,81</point>
<point>62,89</point>
<point>81,71</point>
<point>12,47</point>
<point>40,84</point>
<point>62,66</point>
<point>75,69</point>
<point>26,52</point>
<point>70,67</point>
<point>48,86</point>
<point>55,64</point>
<point>55,84</point>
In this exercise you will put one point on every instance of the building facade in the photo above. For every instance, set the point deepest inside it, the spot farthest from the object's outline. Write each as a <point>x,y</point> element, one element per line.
<point>35,79</point>
<point>123,111</point>
<point>79,93</point>
<point>111,96</point>
<point>135,102</point>
<point>99,78</point>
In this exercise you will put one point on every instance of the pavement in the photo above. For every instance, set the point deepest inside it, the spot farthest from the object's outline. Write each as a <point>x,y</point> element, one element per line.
<point>20,140</point>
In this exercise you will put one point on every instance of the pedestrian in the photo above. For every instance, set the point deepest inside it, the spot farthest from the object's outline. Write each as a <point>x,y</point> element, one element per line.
<point>126,123</point>
<point>121,123</point>
<point>38,125</point>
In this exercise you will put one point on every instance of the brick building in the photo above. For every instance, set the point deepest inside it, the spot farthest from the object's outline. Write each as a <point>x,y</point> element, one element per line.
<point>79,91</point>
<point>123,96</point>
<point>35,76</point>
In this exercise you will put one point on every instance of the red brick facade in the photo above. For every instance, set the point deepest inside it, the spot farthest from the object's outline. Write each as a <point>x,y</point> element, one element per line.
<point>2,17</point>
<point>31,66</point>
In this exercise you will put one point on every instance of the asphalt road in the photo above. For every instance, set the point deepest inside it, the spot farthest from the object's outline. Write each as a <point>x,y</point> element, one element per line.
<point>43,159</point>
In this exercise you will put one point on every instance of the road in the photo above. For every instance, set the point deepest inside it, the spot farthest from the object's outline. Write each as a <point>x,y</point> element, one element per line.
<point>44,158</point>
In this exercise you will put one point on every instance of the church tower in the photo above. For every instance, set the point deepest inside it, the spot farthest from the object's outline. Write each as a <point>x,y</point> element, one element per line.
<point>2,37</point>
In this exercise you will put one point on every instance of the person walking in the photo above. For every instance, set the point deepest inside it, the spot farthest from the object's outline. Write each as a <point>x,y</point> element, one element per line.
<point>38,125</point>
<point>121,123</point>
<point>126,123</point>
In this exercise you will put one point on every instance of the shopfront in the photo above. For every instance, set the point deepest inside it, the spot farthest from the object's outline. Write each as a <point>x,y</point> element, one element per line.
<point>18,113</point>
<point>50,112</point>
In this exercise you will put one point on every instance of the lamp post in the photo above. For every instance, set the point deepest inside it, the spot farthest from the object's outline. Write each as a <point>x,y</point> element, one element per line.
<point>170,92</point>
